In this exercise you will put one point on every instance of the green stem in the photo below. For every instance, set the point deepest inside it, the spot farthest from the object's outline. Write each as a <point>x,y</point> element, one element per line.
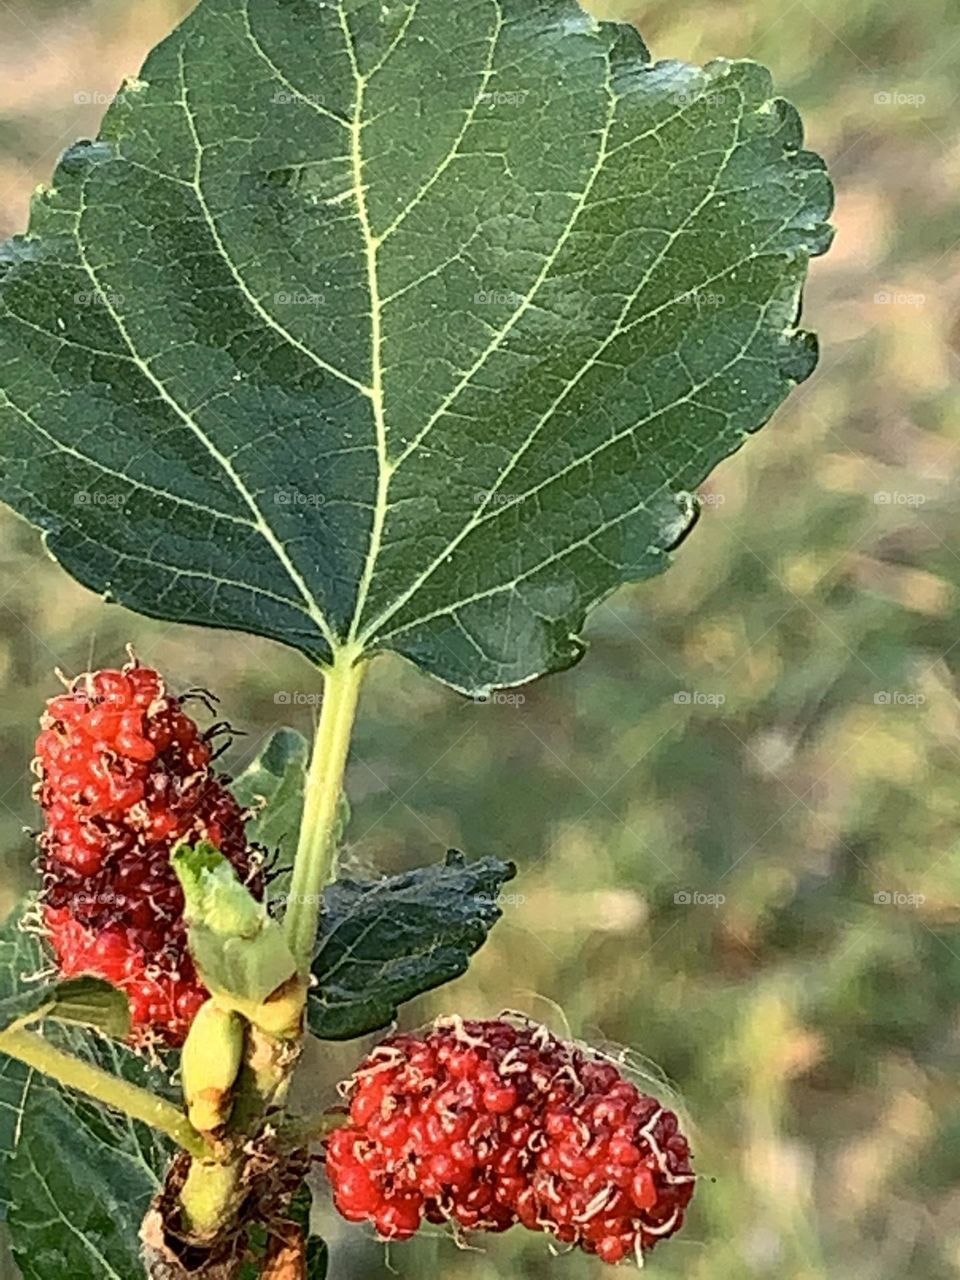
<point>314,864</point>
<point>140,1104</point>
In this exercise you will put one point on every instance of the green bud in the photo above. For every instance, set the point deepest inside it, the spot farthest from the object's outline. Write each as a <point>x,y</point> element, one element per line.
<point>215,898</point>
<point>240,952</point>
<point>210,1064</point>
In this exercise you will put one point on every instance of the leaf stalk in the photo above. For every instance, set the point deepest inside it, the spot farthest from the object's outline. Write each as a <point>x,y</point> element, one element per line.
<point>73,1073</point>
<point>314,865</point>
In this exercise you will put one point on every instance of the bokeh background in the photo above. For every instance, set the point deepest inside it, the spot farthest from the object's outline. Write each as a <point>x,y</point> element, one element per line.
<point>737,820</point>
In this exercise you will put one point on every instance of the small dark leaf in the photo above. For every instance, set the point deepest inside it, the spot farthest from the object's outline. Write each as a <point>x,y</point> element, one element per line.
<point>318,1258</point>
<point>383,942</point>
<point>272,1257</point>
<point>93,1003</point>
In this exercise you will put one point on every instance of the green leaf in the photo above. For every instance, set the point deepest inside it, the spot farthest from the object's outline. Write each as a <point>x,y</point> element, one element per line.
<point>79,1196</point>
<point>272,786</point>
<point>75,1179</point>
<point>383,942</point>
<point>404,325</point>
<point>88,1002</point>
<point>318,1258</point>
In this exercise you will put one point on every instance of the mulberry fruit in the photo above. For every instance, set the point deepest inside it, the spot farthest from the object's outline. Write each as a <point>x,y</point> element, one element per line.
<point>124,776</point>
<point>489,1124</point>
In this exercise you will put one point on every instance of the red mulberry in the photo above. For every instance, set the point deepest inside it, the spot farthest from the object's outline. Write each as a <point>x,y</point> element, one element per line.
<point>125,775</point>
<point>489,1124</point>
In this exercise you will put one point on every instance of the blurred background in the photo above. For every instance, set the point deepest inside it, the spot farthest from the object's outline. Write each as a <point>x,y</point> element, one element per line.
<point>737,820</point>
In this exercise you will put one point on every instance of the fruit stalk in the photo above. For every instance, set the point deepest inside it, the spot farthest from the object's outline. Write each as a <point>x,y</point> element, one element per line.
<point>313,866</point>
<point>121,1095</point>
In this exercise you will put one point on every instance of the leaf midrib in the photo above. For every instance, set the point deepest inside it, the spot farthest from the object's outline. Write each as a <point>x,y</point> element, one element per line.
<point>370,250</point>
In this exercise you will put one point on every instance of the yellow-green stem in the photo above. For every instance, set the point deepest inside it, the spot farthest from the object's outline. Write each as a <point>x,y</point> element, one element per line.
<point>314,864</point>
<point>140,1104</point>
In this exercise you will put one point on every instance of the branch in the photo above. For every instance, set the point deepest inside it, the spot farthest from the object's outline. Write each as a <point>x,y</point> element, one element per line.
<point>140,1104</point>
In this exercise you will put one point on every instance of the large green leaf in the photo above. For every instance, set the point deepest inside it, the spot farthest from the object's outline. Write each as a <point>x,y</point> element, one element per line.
<point>75,1180</point>
<point>79,1194</point>
<point>383,942</point>
<point>404,324</point>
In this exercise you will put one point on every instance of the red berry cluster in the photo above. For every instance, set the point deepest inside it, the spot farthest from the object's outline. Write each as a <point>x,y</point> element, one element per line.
<point>489,1124</point>
<point>125,774</point>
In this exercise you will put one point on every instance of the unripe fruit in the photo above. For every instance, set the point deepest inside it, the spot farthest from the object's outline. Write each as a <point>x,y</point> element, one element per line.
<point>209,1066</point>
<point>490,1124</point>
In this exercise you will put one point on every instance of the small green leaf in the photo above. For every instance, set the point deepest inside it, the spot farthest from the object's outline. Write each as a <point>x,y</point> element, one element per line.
<point>239,950</point>
<point>383,942</point>
<point>477,296</point>
<point>272,787</point>
<point>87,1002</point>
<point>214,897</point>
<point>318,1258</point>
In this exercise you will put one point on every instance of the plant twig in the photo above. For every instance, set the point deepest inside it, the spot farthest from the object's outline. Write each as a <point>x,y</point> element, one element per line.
<point>94,1082</point>
<point>314,862</point>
